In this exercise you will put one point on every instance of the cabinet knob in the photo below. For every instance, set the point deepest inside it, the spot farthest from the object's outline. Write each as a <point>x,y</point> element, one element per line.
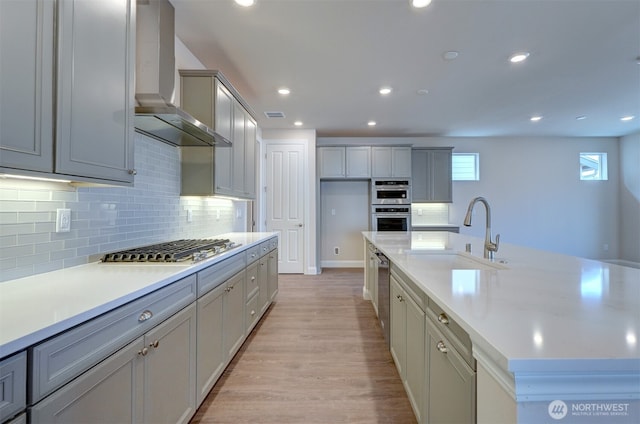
<point>143,352</point>
<point>253,313</point>
<point>155,344</point>
<point>400,298</point>
<point>443,318</point>
<point>442,347</point>
<point>133,172</point>
<point>253,278</point>
<point>146,315</point>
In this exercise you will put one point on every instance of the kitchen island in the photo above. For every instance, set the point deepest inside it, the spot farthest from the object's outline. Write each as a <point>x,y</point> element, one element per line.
<point>554,336</point>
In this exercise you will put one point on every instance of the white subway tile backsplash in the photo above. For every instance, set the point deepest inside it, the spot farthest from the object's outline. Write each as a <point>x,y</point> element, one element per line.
<point>103,219</point>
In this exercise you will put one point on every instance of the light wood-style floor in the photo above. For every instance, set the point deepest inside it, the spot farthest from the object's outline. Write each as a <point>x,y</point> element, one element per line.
<point>318,356</point>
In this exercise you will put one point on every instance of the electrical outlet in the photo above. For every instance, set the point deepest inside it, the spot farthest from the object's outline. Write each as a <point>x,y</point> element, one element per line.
<point>217,213</point>
<point>336,250</point>
<point>189,215</point>
<point>63,220</point>
<point>419,212</point>
<point>605,247</point>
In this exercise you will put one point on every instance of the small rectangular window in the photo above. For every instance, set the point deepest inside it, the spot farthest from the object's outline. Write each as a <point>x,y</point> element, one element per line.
<point>593,166</point>
<point>465,167</point>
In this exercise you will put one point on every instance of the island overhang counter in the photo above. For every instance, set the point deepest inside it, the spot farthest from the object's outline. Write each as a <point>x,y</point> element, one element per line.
<point>549,332</point>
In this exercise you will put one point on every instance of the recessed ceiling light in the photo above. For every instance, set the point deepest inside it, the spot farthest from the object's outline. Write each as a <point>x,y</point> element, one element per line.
<point>422,91</point>
<point>298,123</point>
<point>385,90</point>
<point>420,3</point>
<point>284,91</point>
<point>519,57</point>
<point>450,55</point>
<point>245,3</point>
<point>581,118</point>
<point>627,118</point>
<point>371,123</point>
<point>536,118</point>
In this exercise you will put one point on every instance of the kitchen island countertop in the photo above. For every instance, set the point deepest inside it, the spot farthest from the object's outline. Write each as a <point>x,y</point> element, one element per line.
<point>37,307</point>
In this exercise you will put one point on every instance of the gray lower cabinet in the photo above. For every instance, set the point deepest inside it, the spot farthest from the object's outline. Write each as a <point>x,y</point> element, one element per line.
<point>233,314</point>
<point>86,130</point>
<point>452,382</point>
<point>272,283</point>
<point>210,352</point>
<point>13,385</point>
<point>408,343</point>
<point>263,282</point>
<point>151,380</point>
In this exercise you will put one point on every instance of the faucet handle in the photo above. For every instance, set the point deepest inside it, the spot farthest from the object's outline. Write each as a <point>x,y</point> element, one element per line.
<point>496,244</point>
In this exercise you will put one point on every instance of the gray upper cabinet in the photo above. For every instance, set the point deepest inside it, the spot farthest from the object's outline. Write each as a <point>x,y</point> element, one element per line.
<point>228,168</point>
<point>26,85</point>
<point>344,162</point>
<point>431,175</point>
<point>391,161</point>
<point>94,57</point>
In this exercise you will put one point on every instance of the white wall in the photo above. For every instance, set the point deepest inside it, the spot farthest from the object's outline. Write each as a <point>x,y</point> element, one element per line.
<point>630,198</point>
<point>344,214</point>
<point>534,190</point>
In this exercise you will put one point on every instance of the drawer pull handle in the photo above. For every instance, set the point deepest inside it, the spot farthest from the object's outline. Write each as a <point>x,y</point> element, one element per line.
<point>146,315</point>
<point>400,298</point>
<point>155,344</point>
<point>253,278</point>
<point>143,352</point>
<point>253,313</point>
<point>443,318</point>
<point>442,347</point>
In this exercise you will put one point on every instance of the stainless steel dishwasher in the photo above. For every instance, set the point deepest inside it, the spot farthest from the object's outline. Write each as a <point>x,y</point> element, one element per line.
<point>383,295</point>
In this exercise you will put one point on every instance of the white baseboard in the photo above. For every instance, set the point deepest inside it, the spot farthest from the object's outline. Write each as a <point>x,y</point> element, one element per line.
<point>342,264</point>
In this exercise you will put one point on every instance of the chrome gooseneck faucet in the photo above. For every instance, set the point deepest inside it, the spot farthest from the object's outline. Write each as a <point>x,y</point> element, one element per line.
<point>489,247</point>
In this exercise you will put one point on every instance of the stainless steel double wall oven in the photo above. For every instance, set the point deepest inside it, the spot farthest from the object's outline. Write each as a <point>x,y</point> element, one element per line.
<point>391,205</point>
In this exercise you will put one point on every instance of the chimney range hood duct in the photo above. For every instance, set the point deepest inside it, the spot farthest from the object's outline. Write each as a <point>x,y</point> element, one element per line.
<point>156,116</point>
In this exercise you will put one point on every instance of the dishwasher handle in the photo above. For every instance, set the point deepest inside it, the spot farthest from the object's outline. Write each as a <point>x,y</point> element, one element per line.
<point>382,259</point>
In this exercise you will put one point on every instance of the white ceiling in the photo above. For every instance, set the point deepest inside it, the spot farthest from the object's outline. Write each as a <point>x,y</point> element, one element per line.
<point>334,55</point>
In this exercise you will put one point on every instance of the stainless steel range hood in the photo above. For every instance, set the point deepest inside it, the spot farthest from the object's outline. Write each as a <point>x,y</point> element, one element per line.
<point>156,116</point>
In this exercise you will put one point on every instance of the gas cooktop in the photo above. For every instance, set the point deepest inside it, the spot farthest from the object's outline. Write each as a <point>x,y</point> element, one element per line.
<point>173,251</point>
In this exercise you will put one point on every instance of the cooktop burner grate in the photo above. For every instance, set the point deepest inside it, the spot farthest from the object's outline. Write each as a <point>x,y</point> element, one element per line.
<point>173,251</point>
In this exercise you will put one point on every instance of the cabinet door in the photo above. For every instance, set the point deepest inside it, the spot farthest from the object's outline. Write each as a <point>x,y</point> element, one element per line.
<point>273,274</point>
<point>26,85</point>
<point>238,150</point>
<point>234,303</point>
<point>397,316</point>
<point>210,352</point>
<point>170,369</point>
<point>331,162</point>
<point>441,176</point>
<point>13,385</point>
<point>380,161</point>
<point>401,162</point>
<point>358,162</point>
<point>250,157</point>
<point>111,392</point>
<point>415,376</point>
<point>263,282</point>
<point>420,191</point>
<point>95,98</point>
<point>223,156</point>
<point>452,382</point>
<point>223,111</point>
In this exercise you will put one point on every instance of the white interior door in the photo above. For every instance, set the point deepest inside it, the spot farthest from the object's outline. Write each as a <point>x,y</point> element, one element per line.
<point>285,203</point>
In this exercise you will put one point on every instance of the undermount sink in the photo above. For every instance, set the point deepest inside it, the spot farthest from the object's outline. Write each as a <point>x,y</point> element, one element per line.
<point>456,260</point>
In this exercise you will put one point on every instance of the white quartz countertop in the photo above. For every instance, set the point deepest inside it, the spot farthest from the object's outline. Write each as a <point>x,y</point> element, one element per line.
<point>37,307</point>
<point>530,310</point>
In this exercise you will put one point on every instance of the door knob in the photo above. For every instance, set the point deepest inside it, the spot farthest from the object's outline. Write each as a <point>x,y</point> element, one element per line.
<point>299,225</point>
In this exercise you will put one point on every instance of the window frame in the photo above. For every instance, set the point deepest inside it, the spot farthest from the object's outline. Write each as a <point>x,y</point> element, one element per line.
<point>476,166</point>
<point>601,167</point>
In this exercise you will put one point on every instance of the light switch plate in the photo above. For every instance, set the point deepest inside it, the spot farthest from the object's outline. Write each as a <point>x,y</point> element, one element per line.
<point>63,220</point>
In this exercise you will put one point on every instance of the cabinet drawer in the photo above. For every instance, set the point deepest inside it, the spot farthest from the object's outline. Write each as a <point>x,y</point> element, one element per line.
<point>273,243</point>
<point>252,279</point>
<point>409,286</point>
<point>13,385</point>
<point>265,247</point>
<point>253,253</point>
<point>216,274</point>
<point>457,336</point>
<point>252,312</point>
<point>64,357</point>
